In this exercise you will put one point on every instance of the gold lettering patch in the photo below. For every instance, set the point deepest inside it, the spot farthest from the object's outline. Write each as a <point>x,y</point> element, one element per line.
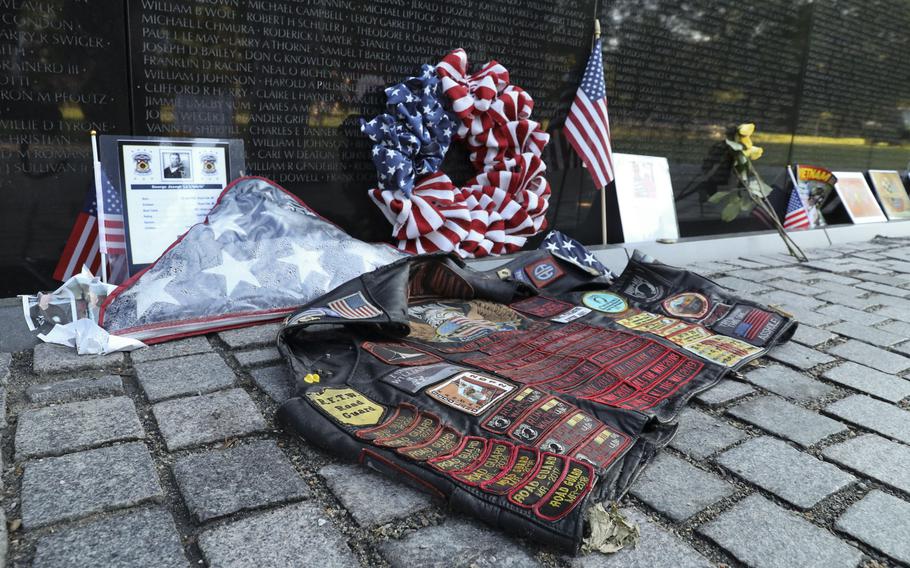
<point>347,406</point>
<point>571,490</point>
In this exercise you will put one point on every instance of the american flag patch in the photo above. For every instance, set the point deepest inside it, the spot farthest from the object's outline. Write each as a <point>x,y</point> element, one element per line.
<point>752,324</point>
<point>355,306</point>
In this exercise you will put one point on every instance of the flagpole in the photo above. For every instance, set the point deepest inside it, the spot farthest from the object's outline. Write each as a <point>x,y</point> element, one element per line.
<point>98,204</point>
<point>603,190</point>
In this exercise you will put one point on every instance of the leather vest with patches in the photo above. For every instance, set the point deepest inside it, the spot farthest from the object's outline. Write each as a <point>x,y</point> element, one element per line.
<point>520,396</point>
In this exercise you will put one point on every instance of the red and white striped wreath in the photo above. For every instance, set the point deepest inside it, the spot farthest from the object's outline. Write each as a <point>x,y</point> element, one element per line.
<point>506,202</point>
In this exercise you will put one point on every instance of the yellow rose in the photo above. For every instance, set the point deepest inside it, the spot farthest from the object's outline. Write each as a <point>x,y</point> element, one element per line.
<point>754,153</point>
<point>745,129</point>
<point>746,141</point>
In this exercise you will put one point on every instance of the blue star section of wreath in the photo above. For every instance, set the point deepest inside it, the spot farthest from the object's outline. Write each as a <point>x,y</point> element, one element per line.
<point>412,137</point>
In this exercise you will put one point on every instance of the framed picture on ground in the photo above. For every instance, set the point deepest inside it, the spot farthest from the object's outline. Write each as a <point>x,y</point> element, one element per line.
<point>856,195</point>
<point>645,195</point>
<point>891,193</point>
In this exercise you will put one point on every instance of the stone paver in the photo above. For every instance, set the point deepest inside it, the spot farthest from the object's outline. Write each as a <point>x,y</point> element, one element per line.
<point>257,356</point>
<point>80,484</point>
<point>897,327</point>
<point>276,382</point>
<point>306,538</point>
<point>663,550</point>
<point>788,383</point>
<point>799,356</point>
<point>5,360</point>
<point>881,521</point>
<point>359,489</point>
<point>724,392</point>
<point>787,420</point>
<point>853,315</point>
<point>740,286</point>
<point>701,435</point>
<point>878,384</point>
<point>874,415</point>
<point>868,334</point>
<point>866,354</point>
<point>811,336</point>
<point>472,543</point>
<point>775,466</point>
<point>761,534</point>
<point>839,287</point>
<point>65,428</point>
<point>844,300</point>
<point>884,289</point>
<point>197,420</point>
<point>678,489</point>
<point>258,336</point>
<point>169,349</point>
<point>181,376</point>
<point>51,358</point>
<point>140,538</point>
<point>75,389</point>
<point>875,457</point>
<point>249,476</point>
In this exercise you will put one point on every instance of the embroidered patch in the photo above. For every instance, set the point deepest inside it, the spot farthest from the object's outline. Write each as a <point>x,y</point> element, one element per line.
<point>602,448</point>
<point>691,333</point>
<point>572,315</point>
<point>413,379</point>
<point>717,312</point>
<point>423,430</point>
<point>494,463</point>
<point>606,302</point>
<point>471,449</point>
<point>539,420</point>
<point>751,324</point>
<point>546,477</point>
<point>643,289</point>
<point>512,409</point>
<point>522,467</point>
<point>405,417</point>
<point>687,305</point>
<point>544,272</point>
<point>570,432</point>
<point>354,306</point>
<point>575,483</point>
<point>521,276</point>
<point>637,320</point>
<point>347,406</point>
<point>446,440</point>
<point>461,322</point>
<point>541,306</point>
<point>470,392</point>
<point>723,350</point>
<point>399,354</point>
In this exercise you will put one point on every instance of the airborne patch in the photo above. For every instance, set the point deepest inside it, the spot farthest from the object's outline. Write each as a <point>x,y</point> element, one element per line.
<point>472,448</point>
<point>512,409</point>
<point>405,417</point>
<point>494,463</point>
<point>442,444</point>
<point>521,468</point>
<point>399,354</point>
<point>546,477</point>
<point>347,406</point>
<point>544,272</point>
<point>541,306</point>
<point>571,490</point>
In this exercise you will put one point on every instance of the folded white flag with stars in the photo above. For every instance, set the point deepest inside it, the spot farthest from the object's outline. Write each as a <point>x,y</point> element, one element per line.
<point>260,254</point>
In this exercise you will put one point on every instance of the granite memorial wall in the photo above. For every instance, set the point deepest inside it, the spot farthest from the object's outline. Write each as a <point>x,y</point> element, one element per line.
<point>824,82</point>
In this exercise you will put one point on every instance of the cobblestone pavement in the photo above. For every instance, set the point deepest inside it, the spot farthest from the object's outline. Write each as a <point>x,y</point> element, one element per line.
<point>170,457</point>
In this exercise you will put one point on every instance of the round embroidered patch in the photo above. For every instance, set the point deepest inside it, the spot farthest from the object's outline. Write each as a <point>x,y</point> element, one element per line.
<point>687,305</point>
<point>606,302</point>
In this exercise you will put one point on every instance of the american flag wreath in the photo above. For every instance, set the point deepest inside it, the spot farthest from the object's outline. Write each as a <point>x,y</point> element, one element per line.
<point>494,212</point>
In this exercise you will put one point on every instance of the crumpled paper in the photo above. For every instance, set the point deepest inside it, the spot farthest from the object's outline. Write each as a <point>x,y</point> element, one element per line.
<point>89,338</point>
<point>610,531</point>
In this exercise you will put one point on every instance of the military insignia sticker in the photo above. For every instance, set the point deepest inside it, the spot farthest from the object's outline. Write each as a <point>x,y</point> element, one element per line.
<point>209,164</point>
<point>399,354</point>
<point>142,163</point>
<point>606,302</point>
<point>690,305</point>
<point>470,392</point>
<point>544,272</point>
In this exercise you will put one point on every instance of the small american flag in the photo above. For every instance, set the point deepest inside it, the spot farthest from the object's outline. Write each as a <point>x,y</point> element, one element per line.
<point>796,218</point>
<point>587,126</point>
<point>355,306</point>
<point>113,240</point>
<point>82,246</point>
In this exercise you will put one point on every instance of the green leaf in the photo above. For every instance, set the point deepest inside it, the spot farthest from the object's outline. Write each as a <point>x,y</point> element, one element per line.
<point>731,210</point>
<point>735,145</point>
<point>718,197</point>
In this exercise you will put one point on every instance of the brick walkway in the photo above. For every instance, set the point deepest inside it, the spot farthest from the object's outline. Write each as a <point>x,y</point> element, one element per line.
<point>171,458</point>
